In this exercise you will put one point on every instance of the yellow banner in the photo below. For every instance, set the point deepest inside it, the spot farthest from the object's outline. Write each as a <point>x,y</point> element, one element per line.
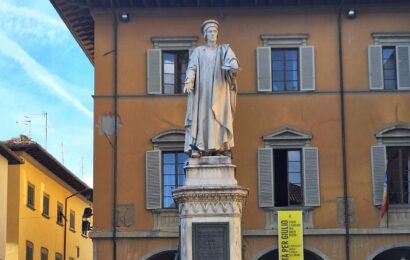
<point>290,235</point>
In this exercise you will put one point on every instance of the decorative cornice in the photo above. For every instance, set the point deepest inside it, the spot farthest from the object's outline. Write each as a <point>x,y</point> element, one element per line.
<point>285,40</point>
<point>175,43</point>
<point>210,200</point>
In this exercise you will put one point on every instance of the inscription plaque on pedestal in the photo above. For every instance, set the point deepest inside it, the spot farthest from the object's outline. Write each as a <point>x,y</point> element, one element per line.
<point>210,241</point>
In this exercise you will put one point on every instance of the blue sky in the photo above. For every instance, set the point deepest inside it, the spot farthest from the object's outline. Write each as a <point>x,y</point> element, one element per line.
<point>43,69</point>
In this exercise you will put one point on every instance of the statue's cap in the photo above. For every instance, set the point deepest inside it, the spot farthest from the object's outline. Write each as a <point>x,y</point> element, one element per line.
<point>209,23</point>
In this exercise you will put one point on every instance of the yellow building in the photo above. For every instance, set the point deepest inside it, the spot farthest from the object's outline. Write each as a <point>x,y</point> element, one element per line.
<point>7,157</point>
<point>323,103</point>
<point>45,206</point>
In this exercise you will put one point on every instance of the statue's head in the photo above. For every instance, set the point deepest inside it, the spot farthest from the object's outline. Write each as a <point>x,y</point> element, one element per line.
<point>209,30</point>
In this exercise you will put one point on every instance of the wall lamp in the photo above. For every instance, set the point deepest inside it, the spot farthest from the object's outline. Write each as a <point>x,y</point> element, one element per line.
<point>124,17</point>
<point>351,13</point>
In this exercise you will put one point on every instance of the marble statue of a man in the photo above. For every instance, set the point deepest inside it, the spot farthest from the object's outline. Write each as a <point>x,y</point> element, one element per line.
<point>211,86</point>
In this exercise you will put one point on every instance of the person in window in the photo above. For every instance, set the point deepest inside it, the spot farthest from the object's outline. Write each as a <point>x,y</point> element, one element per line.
<point>211,86</point>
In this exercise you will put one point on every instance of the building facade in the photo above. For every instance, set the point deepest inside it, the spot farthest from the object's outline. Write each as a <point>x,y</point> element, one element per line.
<point>45,206</point>
<point>322,117</point>
<point>7,157</point>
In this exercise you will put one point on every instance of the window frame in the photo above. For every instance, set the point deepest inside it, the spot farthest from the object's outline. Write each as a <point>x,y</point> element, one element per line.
<point>178,81</point>
<point>400,41</point>
<point>72,220</point>
<point>284,70</point>
<point>289,139</point>
<point>165,219</point>
<point>43,253</point>
<point>305,62</point>
<point>402,187</point>
<point>31,195</point>
<point>58,256</point>
<point>276,177</point>
<point>29,246</point>
<point>384,48</point>
<point>46,210</point>
<point>155,61</point>
<point>60,208</point>
<point>176,175</point>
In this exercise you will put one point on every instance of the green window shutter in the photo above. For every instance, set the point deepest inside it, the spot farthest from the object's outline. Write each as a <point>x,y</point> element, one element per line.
<point>154,71</point>
<point>265,178</point>
<point>307,68</point>
<point>263,69</point>
<point>153,179</point>
<point>403,67</point>
<point>311,185</point>
<point>375,67</point>
<point>378,157</point>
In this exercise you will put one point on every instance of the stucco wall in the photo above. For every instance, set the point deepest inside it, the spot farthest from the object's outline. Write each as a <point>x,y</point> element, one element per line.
<point>3,205</point>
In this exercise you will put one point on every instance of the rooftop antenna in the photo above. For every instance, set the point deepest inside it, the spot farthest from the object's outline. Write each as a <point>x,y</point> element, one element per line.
<point>27,122</point>
<point>44,114</point>
<point>82,168</point>
<point>62,153</point>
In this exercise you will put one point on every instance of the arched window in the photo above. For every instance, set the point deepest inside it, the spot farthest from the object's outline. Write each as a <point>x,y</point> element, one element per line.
<point>391,158</point>
<point>274,255</point>
<point>400,253</point>
<point>164,255</point>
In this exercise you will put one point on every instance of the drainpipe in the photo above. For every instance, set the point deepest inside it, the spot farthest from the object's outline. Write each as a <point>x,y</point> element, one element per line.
<point>115,143</point>
<point>343,132</point>
<point>65,220</point>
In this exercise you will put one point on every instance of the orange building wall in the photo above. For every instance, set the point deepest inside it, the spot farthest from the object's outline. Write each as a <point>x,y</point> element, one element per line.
<point>143,116</point>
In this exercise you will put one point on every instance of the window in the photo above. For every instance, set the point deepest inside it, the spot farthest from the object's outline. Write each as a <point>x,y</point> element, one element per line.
<point>30,195</point>
<point>46,204</point>
<point>288,177</point>
<point>398,169</point>
<point>389,68</point>
<point>44,254</point>
<point>29,250</point>
<point>72,220</point>
<point>164,168</point>
<point>78,251</point>
<point>59,256</point>
<point>286,165</point>
<point>167,63</point>
<point>175,64</point>
<point>285,69</point>
<point>173,175</point>
<point>163,172</point>
<point>59,213</point>
<point>285,64</point>
<point>393,148</point>
<point>389,61</point>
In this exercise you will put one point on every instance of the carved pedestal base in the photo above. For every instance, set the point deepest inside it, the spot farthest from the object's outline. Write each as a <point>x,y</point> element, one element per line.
<point>210,210</point>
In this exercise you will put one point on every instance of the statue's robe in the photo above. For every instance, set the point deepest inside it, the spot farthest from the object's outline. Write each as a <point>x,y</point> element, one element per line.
<point>211,104</point>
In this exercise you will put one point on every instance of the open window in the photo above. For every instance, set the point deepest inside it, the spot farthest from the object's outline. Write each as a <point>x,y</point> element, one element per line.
<point>167,64</point>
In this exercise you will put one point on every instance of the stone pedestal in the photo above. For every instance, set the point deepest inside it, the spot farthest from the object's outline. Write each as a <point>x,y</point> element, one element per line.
<point>210,209</point>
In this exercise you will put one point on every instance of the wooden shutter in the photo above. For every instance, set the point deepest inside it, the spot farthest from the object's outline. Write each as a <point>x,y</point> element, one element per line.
<point>154,71</point>
<point>375,67</point>
<point>153,180</point>
<point>378,154</point>
<point>307,68</point>
<point>403,67</point>
<point>311,176</point>
<point>263,69</point>
<point>265,178</point>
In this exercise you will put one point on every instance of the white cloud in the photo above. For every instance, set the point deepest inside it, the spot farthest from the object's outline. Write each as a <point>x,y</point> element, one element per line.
<point>31,24</point>
<point>39,74</point>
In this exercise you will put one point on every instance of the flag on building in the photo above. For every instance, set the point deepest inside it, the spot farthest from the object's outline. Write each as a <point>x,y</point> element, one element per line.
<point>385,202</point>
